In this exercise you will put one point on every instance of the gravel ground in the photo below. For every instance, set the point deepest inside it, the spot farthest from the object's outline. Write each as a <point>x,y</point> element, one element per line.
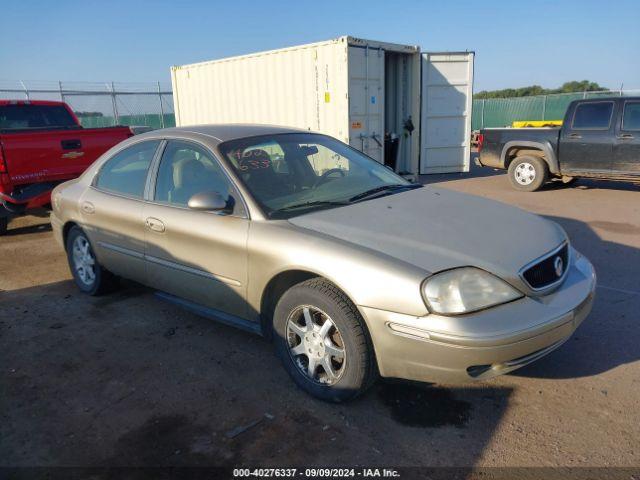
<point>127,379</point>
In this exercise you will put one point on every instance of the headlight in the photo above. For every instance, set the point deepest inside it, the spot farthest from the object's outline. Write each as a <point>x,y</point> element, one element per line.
<point>465,290</point>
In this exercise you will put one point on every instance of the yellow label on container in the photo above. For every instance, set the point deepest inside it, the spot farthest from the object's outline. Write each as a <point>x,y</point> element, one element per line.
<point>327,97</point>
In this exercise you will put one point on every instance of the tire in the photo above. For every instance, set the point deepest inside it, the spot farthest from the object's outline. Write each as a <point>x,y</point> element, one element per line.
<point>528,174</point>
<point>353,371</point>
<point>90,277</point>
<point>4,225</point>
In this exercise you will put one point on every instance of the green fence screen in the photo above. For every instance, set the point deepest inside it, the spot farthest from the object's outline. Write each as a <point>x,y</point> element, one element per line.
<point>501,112</point>
<point>151,120</point>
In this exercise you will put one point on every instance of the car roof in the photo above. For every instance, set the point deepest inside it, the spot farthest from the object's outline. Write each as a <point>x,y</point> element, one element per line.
<point>607,98</point>
<point>231,131</point>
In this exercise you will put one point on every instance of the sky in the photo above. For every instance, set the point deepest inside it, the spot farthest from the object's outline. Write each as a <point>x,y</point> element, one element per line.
<point>517,43</point>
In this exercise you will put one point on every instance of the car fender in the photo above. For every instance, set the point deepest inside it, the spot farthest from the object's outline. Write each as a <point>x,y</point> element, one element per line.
<point>545,147</point>
<point>368,278</point>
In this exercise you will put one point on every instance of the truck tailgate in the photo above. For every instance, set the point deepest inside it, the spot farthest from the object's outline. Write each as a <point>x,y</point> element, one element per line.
<point>56,155</point>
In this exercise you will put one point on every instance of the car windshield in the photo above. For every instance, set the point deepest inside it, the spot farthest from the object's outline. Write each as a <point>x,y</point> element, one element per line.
<point>294,173</point>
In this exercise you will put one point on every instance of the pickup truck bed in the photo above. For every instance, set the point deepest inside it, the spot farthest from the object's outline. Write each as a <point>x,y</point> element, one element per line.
<point>42,145</point>
<point>498,141</point>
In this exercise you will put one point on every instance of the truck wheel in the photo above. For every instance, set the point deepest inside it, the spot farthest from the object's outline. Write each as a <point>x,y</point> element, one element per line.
<point>323,342</point>
<point>528,174</point>
<point>90,277</point>
<point>4,225</point>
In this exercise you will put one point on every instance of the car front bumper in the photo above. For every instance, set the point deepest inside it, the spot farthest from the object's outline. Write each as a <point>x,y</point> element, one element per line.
<point>481,345</point>
<point>56,227</point>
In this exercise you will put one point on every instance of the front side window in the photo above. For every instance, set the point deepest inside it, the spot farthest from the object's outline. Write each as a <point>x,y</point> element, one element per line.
<point>593,116</point>
<point>631,117</point>
<point>185,170</point>
<point>126,172</point>
<point>307,171</point>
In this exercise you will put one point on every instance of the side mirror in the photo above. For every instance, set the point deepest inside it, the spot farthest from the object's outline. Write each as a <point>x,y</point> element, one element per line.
<point>208,202</point>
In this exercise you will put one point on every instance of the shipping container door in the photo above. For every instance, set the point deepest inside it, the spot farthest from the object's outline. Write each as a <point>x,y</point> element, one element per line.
<point>366,100</point>
<point>447,88</point>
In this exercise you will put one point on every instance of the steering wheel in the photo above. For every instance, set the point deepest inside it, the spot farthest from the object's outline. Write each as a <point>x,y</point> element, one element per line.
<point>325,176</point>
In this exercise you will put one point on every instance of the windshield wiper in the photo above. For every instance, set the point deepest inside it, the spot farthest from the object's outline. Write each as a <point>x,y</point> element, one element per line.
<point>317,203</point>
<point>383,189</point>
<point>335,203</point>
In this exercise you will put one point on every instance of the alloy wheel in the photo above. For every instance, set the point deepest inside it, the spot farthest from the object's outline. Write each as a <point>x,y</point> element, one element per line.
<point>83,261</point>
<point>316,345</point>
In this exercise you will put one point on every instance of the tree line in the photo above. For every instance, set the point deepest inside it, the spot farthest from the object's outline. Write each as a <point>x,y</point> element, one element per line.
<point>567,87</point>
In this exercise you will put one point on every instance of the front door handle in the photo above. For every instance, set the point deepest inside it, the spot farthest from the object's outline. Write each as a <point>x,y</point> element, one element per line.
<point>87,207</point>
<point>71,144</point>
<point>575,135</point>
<point>154,224</point>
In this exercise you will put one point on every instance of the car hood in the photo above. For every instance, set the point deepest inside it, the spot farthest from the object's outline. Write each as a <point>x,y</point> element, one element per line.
<point>438,229</point>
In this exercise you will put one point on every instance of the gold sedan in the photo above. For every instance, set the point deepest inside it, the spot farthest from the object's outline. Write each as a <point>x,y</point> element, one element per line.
<point>350,269</point>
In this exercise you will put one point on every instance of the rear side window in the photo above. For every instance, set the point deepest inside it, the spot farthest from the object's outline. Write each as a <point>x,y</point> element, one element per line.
<point>631,117</point>
<point>18,117</point>
<point>593,116</point>
<point>126,172</point>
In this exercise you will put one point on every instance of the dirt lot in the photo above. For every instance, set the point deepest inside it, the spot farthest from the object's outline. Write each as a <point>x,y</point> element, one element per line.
<point>127,379</point>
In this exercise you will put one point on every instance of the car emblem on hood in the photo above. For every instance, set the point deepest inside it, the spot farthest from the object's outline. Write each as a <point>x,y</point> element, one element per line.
<point>558,265</point>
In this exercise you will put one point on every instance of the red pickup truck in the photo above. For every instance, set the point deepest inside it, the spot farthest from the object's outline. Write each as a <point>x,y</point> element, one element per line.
<point>42,144</point>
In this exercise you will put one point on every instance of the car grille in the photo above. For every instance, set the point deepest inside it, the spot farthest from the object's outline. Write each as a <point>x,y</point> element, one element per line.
<point>548,270</point>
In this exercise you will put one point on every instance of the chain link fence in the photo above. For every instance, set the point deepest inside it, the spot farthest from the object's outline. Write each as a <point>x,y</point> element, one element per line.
<point>501,112</point>
<point>102,104</point>
<point>151,104</point>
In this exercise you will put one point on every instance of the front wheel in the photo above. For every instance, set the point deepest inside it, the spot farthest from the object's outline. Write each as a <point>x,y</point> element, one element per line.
<point>90,277</point>
<point>322,341</point>
<point>528,174</point>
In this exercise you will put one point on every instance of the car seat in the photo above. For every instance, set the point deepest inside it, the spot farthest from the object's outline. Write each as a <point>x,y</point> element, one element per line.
<point>256,169</point>
<point>189,177</point>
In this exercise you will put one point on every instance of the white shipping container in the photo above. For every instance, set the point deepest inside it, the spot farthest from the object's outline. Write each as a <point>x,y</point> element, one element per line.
<point>352,89</point>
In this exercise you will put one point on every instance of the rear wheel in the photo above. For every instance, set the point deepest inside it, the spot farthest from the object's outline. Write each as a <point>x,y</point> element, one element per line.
<point>528,174</point>
<point>4,225</point>
<point>322,341</point>
<point>90,277</point>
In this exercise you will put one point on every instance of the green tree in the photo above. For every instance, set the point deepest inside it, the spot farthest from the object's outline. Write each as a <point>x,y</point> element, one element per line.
<point>582,86</point>
<point>567,87</point>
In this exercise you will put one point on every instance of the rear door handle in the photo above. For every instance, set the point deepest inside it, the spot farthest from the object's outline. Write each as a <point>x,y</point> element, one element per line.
<point>87,207</point>
<point>575,135</point>
<point>154,224</point>
<point>625,136</point>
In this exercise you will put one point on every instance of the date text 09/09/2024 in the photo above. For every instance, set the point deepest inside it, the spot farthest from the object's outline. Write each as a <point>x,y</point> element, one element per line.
<point>316,472</point>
